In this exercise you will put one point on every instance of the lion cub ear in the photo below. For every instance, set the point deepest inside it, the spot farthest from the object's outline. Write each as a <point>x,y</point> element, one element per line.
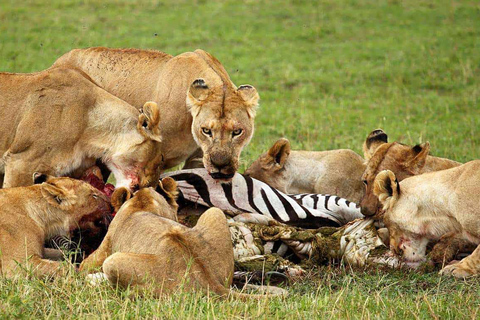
<point>250,95</point>
<point>375,139</point>
<point>386,188</point>
<point>58,196</point>
<point>278,153</point>
<point>419,154</point>
<point>168,188</point>
<point>148,121</point>
<point>119,197</point>
<point>196,94</point>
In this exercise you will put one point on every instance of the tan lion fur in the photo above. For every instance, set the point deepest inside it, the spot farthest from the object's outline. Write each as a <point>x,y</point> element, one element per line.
<point>403,160</point>
<point>431,207</point>
<point>58,122</point>
<point>145,245</point>
<point>335,172</point>
<point>30,215</point>
<point>199,104</point>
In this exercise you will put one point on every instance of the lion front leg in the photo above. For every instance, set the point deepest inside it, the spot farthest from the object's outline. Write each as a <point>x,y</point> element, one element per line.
<point>42,268</point>
<point>467,267</point>
<point>94,261</point>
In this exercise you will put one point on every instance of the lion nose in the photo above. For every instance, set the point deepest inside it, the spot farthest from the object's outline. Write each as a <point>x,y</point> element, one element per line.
<point>220,162</point>
<point>366,212</point>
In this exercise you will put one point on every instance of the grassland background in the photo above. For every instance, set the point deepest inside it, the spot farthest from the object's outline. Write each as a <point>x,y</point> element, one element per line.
<point>328,73</point>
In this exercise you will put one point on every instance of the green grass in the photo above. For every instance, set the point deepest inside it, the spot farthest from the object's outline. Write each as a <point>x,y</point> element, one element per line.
<point>328,73</point>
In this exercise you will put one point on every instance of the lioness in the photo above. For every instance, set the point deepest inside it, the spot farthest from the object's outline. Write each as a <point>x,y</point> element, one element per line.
<point>336,172</point>
<point>32,214</point>
<point>144,245</point>
<point>431,206</point>
<point>199,104</point>
<point>58,122</point>
<point>403,160</point>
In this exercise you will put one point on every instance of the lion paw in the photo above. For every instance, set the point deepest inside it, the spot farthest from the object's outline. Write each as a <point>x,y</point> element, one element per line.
<point>458,270</point>
<point>96,279</point>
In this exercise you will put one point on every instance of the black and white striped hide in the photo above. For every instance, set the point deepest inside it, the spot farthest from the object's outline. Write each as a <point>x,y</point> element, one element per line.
<point>244,194</point>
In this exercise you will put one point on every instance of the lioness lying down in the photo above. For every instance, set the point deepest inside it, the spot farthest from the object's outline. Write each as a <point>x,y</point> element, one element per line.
<point>166,251</point>
<point>430,207</point>
<point>58,122</point>
<point>145,246</point>
<point>32,214</point>
<point>335,172</point>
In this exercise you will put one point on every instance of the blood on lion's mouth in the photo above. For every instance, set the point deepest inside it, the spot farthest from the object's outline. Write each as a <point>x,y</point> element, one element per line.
<point>222,176</point>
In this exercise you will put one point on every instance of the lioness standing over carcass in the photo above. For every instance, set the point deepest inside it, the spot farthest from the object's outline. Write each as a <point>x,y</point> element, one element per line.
<point>199,104</point>
<point>58,122</point>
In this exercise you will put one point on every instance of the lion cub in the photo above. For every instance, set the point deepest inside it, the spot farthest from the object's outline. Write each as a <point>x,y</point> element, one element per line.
<point>145,245</point>
<point>335,172</point>
<point>430,207</point>
<point>30,215</point>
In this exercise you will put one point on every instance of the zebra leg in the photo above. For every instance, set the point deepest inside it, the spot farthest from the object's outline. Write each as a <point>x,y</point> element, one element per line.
<point>253,218</point>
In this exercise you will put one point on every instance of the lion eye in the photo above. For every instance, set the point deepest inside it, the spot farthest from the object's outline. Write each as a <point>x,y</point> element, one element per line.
<point>237,132</point>
<point>95,196</point>
<point>365,182</point>
<point>207,132</point>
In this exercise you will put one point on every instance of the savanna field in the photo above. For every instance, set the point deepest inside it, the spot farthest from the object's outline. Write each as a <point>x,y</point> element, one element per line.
<point>327,73</point>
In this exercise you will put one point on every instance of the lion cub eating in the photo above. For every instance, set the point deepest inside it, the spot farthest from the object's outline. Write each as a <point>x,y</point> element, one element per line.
<point>145,245</point>
<point>30,215</point>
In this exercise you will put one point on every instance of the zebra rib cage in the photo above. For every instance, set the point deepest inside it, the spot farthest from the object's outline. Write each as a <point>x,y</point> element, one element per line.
<point>246,195</point>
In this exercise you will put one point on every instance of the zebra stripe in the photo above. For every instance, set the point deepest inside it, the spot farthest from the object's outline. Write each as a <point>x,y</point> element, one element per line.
<point>245,194</point>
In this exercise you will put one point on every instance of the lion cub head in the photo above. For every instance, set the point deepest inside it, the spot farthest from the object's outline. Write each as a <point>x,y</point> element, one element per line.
<point>223,120</point>
<point>403,160</point>
<point>270,166</point>
<point>85,207</point>
<point>161,201</point>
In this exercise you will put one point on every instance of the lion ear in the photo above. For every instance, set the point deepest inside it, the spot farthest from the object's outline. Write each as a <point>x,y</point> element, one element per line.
<point>419,154</point>
<point>168,188</point>
<point>250,95</point>
<point>279,152</point>
<point>39,178</point>
<point>375,139</point>
<point>58,196</point>
<point>149,120</point>
<point>196,94</point>
<point>386,188</point>
<point>119,197</point>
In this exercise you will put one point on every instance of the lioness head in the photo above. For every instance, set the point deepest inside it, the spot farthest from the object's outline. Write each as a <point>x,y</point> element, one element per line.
<point>86,207</point>
<point>137,164</point>
<point>404,161</point>
<point>270,166</point>
<point>409,235</point>
<point>223,123</point>
<point>161,201</point>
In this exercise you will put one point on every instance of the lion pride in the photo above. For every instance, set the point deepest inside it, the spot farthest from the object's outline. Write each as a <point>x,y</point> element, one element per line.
<point>202,110</point>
